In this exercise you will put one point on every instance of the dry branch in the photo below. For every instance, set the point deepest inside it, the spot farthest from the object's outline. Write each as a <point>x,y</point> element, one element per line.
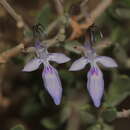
<point>5,56</point>
<point>59,7</point>
<point>11,52</point>
<point>16,16</point>
<point>78,28</point>
<point>123,114</point>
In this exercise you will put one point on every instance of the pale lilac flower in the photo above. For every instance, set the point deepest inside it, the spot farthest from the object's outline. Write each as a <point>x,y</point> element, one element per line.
<point>50,75</point>
<point>95,84</point>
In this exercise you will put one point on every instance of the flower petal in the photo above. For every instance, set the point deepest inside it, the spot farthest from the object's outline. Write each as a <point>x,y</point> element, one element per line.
<point>95,85</point>
<point>79,64</point>
<point>32,65</point>
<point>52,83</point>
<point>106,61</point>
<point>58,58</point>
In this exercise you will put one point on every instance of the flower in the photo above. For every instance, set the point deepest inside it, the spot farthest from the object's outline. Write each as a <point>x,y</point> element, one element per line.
<point>95,84</point>
<point>50,75</point>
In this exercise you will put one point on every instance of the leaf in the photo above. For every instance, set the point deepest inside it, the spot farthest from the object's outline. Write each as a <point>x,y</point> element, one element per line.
<point>70,46</point>
<point>119,89</point>
<point>90,117</point>
<point>116,34</point>
<point>120,54</point>
<point>109,114</point>
<point>28,33</point>
<point>50,123</point>
<point>120,11</point>
<point>97,126</point>
<point>107,127</point>
<point>18,127</point>
<point>123,13</point>
<point>68,77</point>
<point>125,2</point>
<point>100,126</point>
<point>45,15</point>
<point>31,108</point>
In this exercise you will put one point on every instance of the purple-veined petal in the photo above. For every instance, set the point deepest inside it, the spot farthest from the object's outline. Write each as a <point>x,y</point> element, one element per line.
<point>95,85</point>
<point>79,64</point>
<point>32,65</point>
<point>58,58</point>
<point>106,61</point>
<point>52,83</point>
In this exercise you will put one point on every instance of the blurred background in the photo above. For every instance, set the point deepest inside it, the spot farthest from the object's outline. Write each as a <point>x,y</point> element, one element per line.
<point>24,102</point>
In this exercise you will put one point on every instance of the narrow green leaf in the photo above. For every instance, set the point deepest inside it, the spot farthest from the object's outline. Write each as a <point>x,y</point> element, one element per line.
<point>70,46</point>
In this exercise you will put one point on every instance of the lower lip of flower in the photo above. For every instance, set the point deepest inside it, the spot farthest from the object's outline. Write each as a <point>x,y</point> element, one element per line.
<point>48,69</point>
<point>94,72</point>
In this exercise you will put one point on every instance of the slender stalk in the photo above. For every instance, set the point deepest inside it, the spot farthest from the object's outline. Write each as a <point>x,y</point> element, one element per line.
<point>16,16</point>
<point>59,7</point>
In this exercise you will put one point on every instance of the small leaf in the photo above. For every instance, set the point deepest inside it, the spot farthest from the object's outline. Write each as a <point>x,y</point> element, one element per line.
<point>107,127</point>
<point>116,34</point>
<point>70,46</point>
<point>45,15</point>
<point>119,89</point>
<point>123,13</point>
<point>50,123</point>
<point>90,117</point>
<point>125,3</point>
<point>120,54</point>
<point>67,76</point>
<point>31,108</point>
<point>109,114</point>
<point>100,126</point>
<point>28,33</point>
<point>97,126</point>
<point>18,127</point>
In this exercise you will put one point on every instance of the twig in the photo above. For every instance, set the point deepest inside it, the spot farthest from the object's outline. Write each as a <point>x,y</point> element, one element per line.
<point>74,120</point>
<point>96,13</point>
<point>84,3</point>
<point>83,7</point>
<point>5,56</point>
<point>101,45</point>
<point>11,52</point>
<point>123,114</point>
<point>59,7</point>
<point>60,37</point>
<point>52,25</point>
<point>74,110</point>
<point>17,17</point>
<point>79,28</point>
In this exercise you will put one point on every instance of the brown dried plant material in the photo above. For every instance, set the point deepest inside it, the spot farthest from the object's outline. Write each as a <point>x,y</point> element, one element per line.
<point>10,53</point>
<point>78,29</point>
<point>4,101</point>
